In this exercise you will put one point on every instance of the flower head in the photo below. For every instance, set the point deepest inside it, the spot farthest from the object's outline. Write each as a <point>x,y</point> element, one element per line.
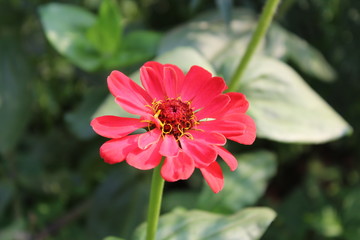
<point>188,119</point>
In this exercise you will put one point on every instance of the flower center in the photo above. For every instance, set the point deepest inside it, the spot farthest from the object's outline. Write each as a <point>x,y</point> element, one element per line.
<point>175,116</point>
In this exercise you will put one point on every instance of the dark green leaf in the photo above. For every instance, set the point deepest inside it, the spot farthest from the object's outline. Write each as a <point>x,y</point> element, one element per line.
<point>121,199</point>
<point>247,224</point>
<point>79,119</point>
<point>244,186</point>
<point>15,92</point>
<point>326,222</point>
<point>179,198</point>
<point>298,204</point>
<point>351,218</point>
<point>6,194</point>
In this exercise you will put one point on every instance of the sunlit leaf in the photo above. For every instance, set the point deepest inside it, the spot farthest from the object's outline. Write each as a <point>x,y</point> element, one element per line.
<point>65,27</point>
<point>247,224</point>
<point>285,108</point>
<point>209,35</point>
<point>286,45</point>
<point>244,186</point>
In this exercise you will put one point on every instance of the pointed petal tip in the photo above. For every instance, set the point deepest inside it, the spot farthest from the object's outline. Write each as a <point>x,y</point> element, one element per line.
<point>213,176</point>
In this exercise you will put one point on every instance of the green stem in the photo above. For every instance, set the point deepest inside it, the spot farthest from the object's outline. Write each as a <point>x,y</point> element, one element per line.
<point>157,186</point>
<point>262,26</point>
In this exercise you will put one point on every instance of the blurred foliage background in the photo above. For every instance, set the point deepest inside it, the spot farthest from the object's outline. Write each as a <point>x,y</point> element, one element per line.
<point>53,184</point>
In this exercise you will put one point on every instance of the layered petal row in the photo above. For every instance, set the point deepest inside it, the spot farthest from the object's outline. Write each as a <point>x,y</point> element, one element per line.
<point>187,117</point>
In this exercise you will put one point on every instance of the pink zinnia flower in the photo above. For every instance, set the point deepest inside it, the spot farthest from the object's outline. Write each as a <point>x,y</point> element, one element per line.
<point>188,118</point>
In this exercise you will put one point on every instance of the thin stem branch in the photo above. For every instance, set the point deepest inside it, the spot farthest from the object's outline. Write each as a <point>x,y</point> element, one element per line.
<point>262,26</point>
<point>157,186</point>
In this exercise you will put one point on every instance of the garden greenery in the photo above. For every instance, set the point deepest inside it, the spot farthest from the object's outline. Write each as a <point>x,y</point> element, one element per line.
<point>53,174</point>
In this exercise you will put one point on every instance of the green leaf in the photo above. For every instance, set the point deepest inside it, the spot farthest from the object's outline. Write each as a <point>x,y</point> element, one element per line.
<point>285,108</point>
<point>179,198</point>
<point>247,224</point>
<point>78,120</point>
<point>350,211</point>
<point>15,228</point>
<point>121,199</point>
<point>225,8</point>
<point>138,46</point>
<point>113,238</point>
<point>283,44</point>
<point>7,190</point>
<point>65,27</point>
<point>106,33</point>
<point>298,204</point>
<point>244,186</point>
<point>208,34</point>
<point>182,57</point>
<point>326,222</point>
<point>15,92</point>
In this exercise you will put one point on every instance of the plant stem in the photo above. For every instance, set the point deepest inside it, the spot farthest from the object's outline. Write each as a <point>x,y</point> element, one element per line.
<point>261,28</point>
<point>157,186</point>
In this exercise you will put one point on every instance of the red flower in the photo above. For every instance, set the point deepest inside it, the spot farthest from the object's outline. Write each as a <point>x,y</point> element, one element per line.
<point>188,118</point>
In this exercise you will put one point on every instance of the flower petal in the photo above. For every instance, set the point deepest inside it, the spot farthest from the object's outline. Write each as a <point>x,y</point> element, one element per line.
<point>212,109</point>
<point>180,76</point>
<point>169,146</point>
<point>128,94</point>
<point>170,82</point>
<point>149,138</point>
<point>227,128</point>
<point>238,103</point>
<point>213,176</point>
<point>151,78</point>
<point>133,107</point>
<point>116,127</point>
<point>202,153</point>
<point>211,89</point>
<point>144,159</point>
<point>249,134</point>
<point>229,159</point>
<point>193,82</point>
<point>176,168</point>
<point>208,137</point>
<point>116,150</point>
